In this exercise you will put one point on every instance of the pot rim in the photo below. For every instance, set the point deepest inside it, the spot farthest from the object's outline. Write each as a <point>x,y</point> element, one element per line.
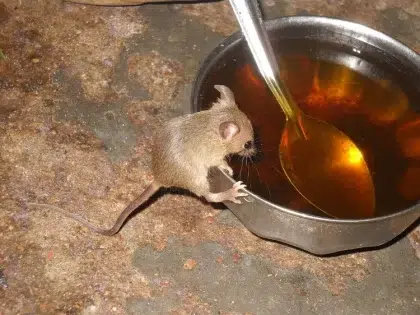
<point>362,33</point>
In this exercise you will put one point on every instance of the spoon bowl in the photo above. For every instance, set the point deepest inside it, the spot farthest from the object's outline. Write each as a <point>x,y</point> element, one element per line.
<point>337,167</point>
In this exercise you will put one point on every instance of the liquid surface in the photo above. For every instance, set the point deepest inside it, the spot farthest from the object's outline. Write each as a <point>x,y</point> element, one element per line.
<point>371,109</point>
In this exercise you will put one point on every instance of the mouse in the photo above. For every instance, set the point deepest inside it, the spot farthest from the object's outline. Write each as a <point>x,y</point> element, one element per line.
<point>184,150</point>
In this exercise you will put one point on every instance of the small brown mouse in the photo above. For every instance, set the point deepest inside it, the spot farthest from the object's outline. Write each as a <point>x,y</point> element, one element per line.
<point>184,150</point>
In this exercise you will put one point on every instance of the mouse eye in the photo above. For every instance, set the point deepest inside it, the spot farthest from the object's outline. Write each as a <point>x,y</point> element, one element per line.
<point>248,145</point>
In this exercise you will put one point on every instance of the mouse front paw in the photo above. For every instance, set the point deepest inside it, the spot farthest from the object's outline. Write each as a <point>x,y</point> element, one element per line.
<point>228,195</point>
<point>233,193</point>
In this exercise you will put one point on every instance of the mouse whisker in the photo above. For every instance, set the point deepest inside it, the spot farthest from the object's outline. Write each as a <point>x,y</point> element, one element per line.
<point>248,166</point>
<point>258,174</point>
<point>240,170</point>
<point>261,181</point>
<point>262,148</point>
<point>266,150</point>
<point>268,188</point>
<point>276,169</point>
<point>266,185</point>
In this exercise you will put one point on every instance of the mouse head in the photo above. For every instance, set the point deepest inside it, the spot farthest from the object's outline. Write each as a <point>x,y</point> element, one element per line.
<point>235,129</point>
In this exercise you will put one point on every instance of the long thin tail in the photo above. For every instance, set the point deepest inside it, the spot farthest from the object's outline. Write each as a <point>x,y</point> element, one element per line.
<point>145,195</point>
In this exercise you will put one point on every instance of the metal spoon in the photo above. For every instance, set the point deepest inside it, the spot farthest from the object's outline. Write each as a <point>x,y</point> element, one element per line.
<point>337,181</point>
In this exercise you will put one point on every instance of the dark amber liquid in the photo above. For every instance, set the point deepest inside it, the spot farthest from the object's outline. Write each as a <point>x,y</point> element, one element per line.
<point>371,106</point>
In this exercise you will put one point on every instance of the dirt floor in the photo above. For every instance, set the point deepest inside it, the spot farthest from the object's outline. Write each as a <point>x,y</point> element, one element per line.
<point>82,89</point>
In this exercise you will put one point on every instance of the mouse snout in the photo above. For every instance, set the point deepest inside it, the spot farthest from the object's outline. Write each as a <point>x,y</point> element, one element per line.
<point>248,149</point>
<point>248,145</point>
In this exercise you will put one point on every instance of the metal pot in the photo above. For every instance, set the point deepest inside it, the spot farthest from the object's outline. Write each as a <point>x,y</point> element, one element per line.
<point>316,234</point>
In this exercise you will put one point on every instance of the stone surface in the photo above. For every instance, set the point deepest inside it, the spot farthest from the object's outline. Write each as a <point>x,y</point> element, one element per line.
<point>82,88</point>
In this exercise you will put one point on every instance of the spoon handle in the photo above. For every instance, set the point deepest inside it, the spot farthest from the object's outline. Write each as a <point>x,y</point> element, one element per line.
<point>250,20</point>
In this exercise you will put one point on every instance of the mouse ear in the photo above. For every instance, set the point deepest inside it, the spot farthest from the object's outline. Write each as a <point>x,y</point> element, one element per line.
<point>226,96</point>
<point>228,130</point>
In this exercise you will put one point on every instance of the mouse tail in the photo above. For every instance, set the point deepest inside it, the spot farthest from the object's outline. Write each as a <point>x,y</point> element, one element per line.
<point>67,214</point>
<point>145,195</point>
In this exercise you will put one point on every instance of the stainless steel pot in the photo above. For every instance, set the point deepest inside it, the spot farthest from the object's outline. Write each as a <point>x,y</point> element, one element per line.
<point>315,234</point>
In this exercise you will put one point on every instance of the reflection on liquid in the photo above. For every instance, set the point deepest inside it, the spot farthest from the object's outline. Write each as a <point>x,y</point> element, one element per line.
<point>353,156</point>
<point>408,137</point>
<point>319,167</point>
